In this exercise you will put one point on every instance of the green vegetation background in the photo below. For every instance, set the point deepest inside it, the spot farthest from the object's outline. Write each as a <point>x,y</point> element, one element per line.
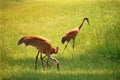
<point>97,47</point>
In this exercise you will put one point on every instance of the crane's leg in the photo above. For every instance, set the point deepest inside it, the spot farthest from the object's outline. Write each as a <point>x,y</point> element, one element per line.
<point>65,47</point>
<point>42,62</point>
<point>36,60</point>
<point>73,44</point>
<point>45,61</point>
<point>55,60</point>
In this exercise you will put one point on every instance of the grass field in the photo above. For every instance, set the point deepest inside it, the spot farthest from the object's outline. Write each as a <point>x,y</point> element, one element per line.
<point>97,47</point>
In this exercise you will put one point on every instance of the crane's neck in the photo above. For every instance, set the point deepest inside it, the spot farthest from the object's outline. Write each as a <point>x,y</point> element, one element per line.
<point>81,24</point>
<point>55,60</point>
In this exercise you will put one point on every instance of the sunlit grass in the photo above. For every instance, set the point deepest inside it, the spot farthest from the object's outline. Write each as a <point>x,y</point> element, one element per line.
<point>97,47</point>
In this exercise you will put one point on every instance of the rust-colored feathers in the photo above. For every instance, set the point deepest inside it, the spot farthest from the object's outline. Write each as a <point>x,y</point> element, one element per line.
<point>73,33</point>
<point>21,40</point>
<point>32,40</point>
<point>44,45</point>
<point>41,43</point>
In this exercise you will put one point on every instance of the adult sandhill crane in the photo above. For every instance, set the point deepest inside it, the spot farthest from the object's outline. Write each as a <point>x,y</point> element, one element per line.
<point>72,34</point>
<point>43,45</point>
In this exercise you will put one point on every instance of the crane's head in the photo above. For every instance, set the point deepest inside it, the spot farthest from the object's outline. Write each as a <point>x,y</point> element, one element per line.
<point>87,20</point>
<point>63,40</point>
<point>54,50</point>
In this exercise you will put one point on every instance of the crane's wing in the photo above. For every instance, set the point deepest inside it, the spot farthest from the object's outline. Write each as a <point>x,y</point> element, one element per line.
<point>34,41</point>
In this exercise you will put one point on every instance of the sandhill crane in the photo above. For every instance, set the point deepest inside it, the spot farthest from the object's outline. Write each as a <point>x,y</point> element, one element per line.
<point>43,45</point>
<point>72,34</point>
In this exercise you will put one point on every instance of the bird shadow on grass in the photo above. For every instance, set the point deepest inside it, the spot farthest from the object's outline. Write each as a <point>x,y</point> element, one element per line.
<point>85,66</point>
<point>30,75</point>
<point>80,66</point>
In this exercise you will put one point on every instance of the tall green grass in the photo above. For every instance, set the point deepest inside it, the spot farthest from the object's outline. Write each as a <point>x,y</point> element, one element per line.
<point>97,46</point>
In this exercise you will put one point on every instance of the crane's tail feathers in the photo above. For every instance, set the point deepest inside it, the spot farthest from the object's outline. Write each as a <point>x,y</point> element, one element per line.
<point>21,40</point>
